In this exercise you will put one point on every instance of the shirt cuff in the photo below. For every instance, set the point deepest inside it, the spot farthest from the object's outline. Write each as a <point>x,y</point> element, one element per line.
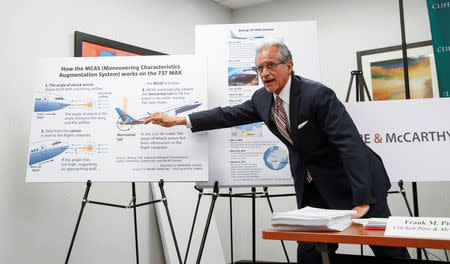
<point>188,122</point>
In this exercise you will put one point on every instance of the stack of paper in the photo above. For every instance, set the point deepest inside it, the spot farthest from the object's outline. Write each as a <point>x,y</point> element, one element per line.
<point>312,219</point>
<point>372,223</point>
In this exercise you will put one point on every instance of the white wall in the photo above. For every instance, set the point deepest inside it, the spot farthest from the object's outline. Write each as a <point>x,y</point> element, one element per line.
<point>37,220</point>
<point>344,27</point>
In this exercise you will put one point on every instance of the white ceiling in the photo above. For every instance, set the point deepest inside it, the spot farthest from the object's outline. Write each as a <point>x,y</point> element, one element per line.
<point>235,4</point>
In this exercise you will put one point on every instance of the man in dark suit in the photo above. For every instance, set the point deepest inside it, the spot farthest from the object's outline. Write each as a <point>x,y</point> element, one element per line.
<point>330,164</point>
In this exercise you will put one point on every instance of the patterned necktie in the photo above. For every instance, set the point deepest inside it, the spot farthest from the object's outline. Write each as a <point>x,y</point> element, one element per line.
<point>281,120</point>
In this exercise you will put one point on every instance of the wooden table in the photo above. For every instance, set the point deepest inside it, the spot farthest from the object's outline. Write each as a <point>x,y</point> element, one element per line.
<point>355,234</point>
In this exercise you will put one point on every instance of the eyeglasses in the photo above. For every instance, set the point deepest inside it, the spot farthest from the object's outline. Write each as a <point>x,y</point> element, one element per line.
<point>269,66</point>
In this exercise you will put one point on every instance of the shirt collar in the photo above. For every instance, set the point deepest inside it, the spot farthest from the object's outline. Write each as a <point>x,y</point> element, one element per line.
<point>285,92</point>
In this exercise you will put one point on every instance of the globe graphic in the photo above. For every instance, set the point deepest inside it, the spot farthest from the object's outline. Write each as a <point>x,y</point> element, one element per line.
<point>275,158</point>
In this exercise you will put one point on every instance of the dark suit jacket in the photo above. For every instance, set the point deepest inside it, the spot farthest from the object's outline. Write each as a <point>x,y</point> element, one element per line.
<point>345,171</point>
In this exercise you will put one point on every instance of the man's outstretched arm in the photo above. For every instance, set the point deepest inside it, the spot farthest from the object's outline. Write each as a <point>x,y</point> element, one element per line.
<point>165,120</point>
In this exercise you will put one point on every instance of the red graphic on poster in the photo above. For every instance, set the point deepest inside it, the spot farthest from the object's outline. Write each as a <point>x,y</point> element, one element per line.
<point>94,50</point>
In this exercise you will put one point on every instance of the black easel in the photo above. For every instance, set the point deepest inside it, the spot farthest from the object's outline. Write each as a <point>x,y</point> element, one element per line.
<point>131,205</point>
<point>200,194</point>
<point>266,193</point>
<point>208,220</point>
<point>403,193</point>
<point>215,194</point>
<point>231,225</point>
<point>408,96</point>
<point>360,85</point>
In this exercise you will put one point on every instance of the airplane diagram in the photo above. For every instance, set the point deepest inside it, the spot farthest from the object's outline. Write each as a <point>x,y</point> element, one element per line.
<point>235,36</point>
<point>46,150</point>
<point>47,102</point>
<point>126,122</point>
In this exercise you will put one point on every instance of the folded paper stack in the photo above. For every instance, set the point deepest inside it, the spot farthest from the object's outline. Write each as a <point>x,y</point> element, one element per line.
<point>312,219</point>
<point>372,223</point>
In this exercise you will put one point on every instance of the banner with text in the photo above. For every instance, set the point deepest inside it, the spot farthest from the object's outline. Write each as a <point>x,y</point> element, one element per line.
<point>439,15</point>
<point>89,114</point>
<point>249,155</point>
<point>411,136</point>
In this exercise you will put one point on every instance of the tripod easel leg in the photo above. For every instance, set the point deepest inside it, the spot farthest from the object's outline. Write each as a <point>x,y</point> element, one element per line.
<point>200,194</point>
<point>133,189</point>
<point>208,221</point>
<point>359,94</point>
<point>253,225</point>
<point>349,87</point>
<point>83,204</point>
<point>164,200</point>
<point>360,86</point>
<point>271,210</point>
<point>403,192</point>
<point>363,81</point>
<point>231,224</point>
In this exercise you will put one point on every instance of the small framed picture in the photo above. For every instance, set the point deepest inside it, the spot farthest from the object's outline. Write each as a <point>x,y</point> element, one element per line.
<point>383,71</point>
<point>87,45</point>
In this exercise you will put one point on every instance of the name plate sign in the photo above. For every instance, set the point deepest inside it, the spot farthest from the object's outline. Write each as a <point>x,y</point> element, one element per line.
<point>422,227</point>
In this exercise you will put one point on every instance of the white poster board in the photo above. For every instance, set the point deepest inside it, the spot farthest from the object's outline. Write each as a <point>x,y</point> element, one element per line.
<point>249,155</point>
<point>89,113</point>
<point>411,136</point>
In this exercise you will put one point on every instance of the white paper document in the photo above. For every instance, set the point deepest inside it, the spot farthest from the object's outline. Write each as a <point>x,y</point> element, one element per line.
<point>313,219</point>
<point>369,223</point>
<point>421,227</point>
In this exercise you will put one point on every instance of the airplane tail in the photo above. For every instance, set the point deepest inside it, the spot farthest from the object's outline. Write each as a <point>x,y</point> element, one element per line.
<point>124,116</point>
<point>232,34</point>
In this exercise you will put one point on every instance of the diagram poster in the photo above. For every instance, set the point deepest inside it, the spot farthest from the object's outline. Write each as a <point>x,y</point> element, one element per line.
<point>88,120</point>
<point>249,155</point>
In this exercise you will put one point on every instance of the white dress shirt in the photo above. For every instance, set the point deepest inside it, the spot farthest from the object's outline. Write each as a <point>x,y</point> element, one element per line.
<point>285,95</point>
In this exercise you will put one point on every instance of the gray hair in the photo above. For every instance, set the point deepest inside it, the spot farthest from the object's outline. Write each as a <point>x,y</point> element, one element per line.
<point>284,54</point>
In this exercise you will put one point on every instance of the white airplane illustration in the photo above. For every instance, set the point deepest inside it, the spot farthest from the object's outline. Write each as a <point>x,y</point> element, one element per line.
<point>126,122</point>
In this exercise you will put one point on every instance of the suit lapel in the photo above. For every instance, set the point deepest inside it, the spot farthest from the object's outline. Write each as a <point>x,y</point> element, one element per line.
<point>268,102</point>
<point>294,107</point>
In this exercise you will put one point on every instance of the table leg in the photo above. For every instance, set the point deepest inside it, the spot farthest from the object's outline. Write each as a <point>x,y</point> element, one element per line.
<point>323,249</point>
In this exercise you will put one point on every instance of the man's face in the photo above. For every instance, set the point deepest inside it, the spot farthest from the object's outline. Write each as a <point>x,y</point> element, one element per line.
<point>274,79</point>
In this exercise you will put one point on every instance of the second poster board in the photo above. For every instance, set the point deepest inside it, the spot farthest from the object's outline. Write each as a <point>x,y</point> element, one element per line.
<point>249,155</point>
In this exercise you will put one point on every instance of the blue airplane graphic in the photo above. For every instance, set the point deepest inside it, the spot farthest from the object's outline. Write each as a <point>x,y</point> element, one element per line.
<point>185,108</point>
<point>45,102</point>
<point>126,122</point>
<point>233,35</point>
<point>46,150</point>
